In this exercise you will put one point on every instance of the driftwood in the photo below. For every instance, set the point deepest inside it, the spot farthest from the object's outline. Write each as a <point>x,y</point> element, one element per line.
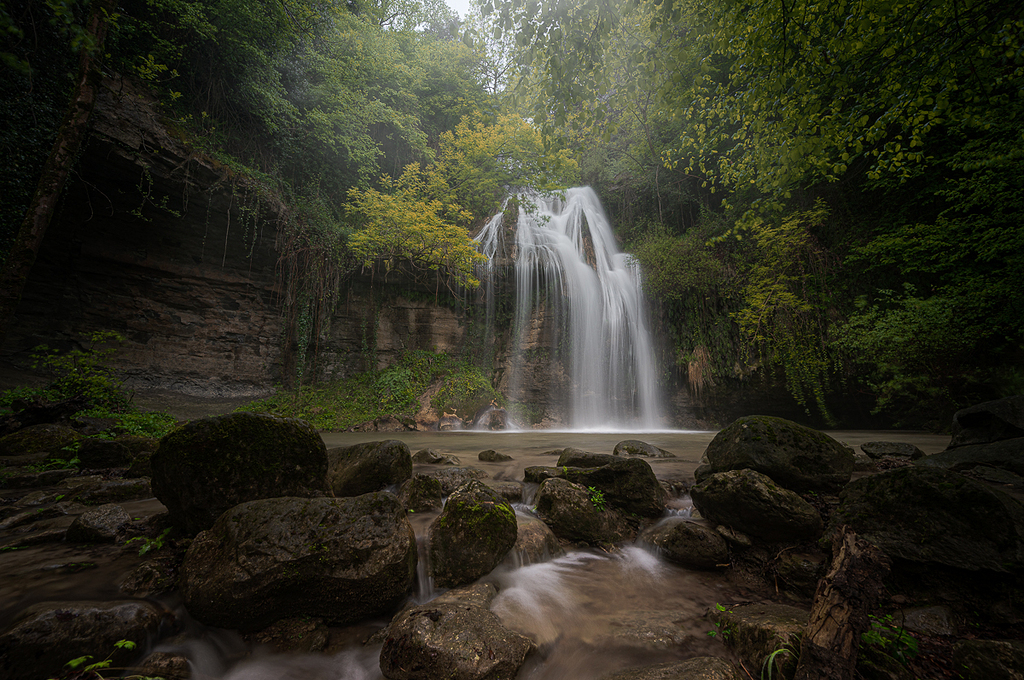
<point>839,615</point>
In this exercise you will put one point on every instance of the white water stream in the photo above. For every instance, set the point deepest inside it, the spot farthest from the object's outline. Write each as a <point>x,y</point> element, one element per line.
<point>568,265</point>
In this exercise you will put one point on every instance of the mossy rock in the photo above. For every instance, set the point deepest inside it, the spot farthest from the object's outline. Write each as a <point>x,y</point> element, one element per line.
<point>368,467</point>
<point>569,509</point>
<point>212,464</point>
<point>471,536</point>
<point>628,484</point>
<point>47,438</point>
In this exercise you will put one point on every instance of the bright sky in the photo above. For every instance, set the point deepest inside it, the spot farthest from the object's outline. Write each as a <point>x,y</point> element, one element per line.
<point>460,6</point>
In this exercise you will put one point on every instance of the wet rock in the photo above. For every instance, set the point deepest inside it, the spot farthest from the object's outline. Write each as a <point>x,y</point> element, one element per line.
<point>1007,455</point>
<point>213,464</point>
<point>535,474</point>
<point>991,421</point>
<point>471,536</point>
<point>103,453</point>
<point>454,477</point>
<point>645,629</point>
<point>510,491</point>
<point>451,640</point>
<point>876,450</point>
<point>635,447</point>
<point>535,542</point>
<point>340,559</point>
<point>571,457</point>
<point>752,503</point>
<point>567,508</point>
<point>475,595</point>
<point>737,539</point>
<point>794,456</point>
<point>48,634</point>
<point>165,665</point>
<point>104,524</point>
<point>432,457</point>
<point>421,493</point>
<point>492,456</point>
<point>931,515</point>
<point>627,484</point>
<point>447,423</point>
<point>368,467</point>
<point>152,577</point>
<point>688,543</point>
<point>756,631</point>
<point>296,635</point>
<point>31,480</point>
<point>933,621</point>
<point>697,668</point>
<point>46,438</point>
<point>799,572</point>
<point>114,491</point>
<point>989,659</point>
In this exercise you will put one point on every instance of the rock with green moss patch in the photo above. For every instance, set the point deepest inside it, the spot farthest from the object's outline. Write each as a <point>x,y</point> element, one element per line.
<point>421,493</point>
<point>931,515</point>
<point>213,464</point>
<point>796,457</point>
<point>368,467</point>
<point>571,512</point>
<point>751,502</point>
<point>471,536</point>
<point>48,438</point>
<point>339,559</point>
<point>759,630</point>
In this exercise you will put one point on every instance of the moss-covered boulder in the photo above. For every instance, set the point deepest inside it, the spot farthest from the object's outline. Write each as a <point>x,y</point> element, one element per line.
<point>421,493</point>
<point>689,544</point>
<point>577,514</point>
<point>752,503</point>
<point>339,559</point>
<point>471,536</point>
<point>368,467</point>
<point>628,484</point>
<point>47,439</point>
<point>796,457</point>
<point>931,515</point>
<point>213,464</point>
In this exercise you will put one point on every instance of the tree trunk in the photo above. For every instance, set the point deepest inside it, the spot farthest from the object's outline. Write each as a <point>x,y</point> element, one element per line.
<point>839,615</point>
<point>69,140</point>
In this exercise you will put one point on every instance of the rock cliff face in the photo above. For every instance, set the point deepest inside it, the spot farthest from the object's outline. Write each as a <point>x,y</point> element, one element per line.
<point>163,244</point>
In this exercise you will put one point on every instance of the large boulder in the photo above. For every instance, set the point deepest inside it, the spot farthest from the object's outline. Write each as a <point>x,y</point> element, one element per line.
<point>47,635</point>
<point>754,504</point>
<point>931,515</point>
<point>628,484</point>
<point>212,464</point>
<point>989,422</point>
<point>46,438</point>
<point>340,559</point>
<point>368,467</point>
<point>471,536</point>
<point>795,456</point>
<point>94,452</point>
<point>571,512</point>
<point>635,447</point>
<point>688,543</point>
<point>453,637</point>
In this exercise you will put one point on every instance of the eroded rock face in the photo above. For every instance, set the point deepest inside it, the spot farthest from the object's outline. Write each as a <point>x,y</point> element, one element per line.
<point>368,467</point>
<point>688,543</point>
<point>471,536</point>
<point>339,559</point>
<point>932,515</point>
<point>794,456</point>
<point>48,634</point>
<point>212,464</point>
<point>567,508</point>
<point>454,638</point>
<point>751,502</point>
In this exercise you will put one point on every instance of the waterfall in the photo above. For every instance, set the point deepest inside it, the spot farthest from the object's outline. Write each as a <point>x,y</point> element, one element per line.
<point>579,326</point>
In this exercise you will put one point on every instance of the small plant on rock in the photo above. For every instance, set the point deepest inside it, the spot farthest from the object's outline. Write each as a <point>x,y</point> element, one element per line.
<point>597,498</point>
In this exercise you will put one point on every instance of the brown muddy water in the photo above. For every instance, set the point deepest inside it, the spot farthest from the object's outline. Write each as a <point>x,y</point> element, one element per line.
<point>590,612</point>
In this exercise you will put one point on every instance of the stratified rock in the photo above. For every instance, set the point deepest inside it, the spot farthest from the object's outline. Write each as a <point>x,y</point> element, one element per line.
<point>751,502</point>
<point>932,515</point>
<point>989,422</point>
<point>627,484</point>
<point>47,635</point>
<point>46,438</point>
<point>453,638</point>
<point>989,659</point>
<point>756,631</point>
<point>340,559</point>
<point>471,536</point>
<point>492,456</point>
<point>103,453</point>
<point>878,450</point>
<point>567,508</point>
<point>794,456</point>
<point>535,542</point>
<point>368,467</point>
<point>454,477</point>
<point>635,447</point>
<point>571,457</point>
<point>421,493</point>
<point>432,457</point>
<point>100,525</point>
<point>212,464</point>
<point>688,543</point>
<point>697,668</point>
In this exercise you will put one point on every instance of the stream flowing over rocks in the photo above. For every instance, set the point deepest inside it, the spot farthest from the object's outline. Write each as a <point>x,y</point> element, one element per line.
<point>243,547</point>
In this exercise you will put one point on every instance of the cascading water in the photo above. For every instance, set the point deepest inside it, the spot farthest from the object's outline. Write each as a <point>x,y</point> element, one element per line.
<point>573,284</point>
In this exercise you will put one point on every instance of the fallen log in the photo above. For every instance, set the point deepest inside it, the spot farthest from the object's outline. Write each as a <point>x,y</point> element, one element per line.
<point>843,600</point>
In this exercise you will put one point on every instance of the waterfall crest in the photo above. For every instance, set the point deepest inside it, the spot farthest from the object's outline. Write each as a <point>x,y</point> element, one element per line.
<point>578,298</point>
